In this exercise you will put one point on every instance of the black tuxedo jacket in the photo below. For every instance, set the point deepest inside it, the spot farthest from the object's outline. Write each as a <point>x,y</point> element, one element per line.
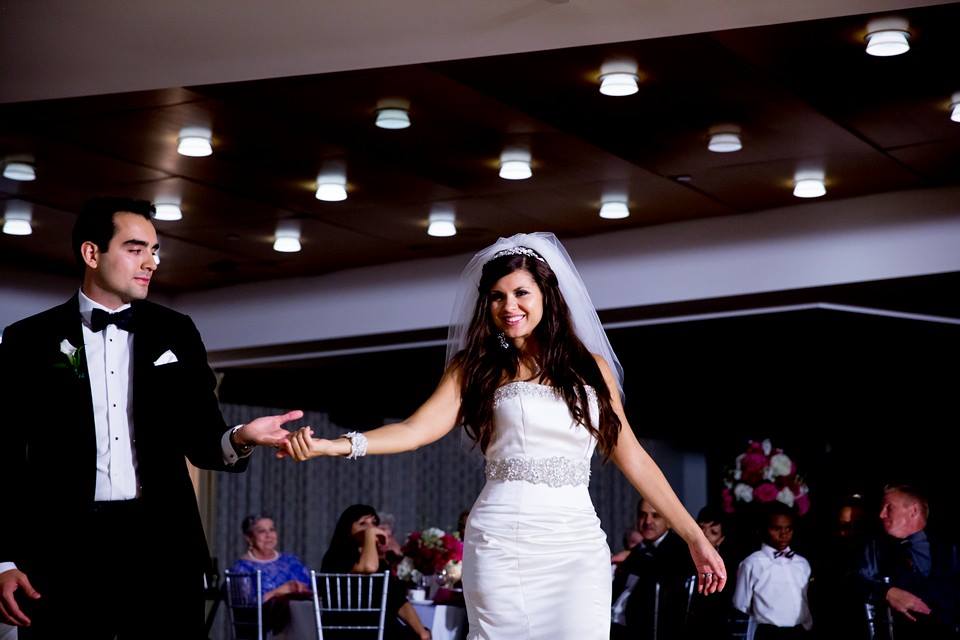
<point>670,565</point>
<point>47,433</point>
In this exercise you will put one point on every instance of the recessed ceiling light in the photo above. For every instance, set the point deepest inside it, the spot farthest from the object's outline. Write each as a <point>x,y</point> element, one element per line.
<point>619,78</point>
<point>955,107</point>
<point>887,37</point>
<point>195,142</point>
<point>725,139</point>
<point>614,209</point>
<point>331,187</point>
<point>442,225</point>
<point>16,220</point>
<point>393,113</point>
<point>515,164</point>
<point>809,184</point>
<point>20,171</point>
<point>169,211</point>
<point>287,238</point>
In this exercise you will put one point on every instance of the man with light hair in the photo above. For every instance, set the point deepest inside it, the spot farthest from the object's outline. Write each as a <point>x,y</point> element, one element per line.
<point>915,574</point>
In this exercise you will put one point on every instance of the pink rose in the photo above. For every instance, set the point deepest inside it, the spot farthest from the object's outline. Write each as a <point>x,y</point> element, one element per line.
<point>752,467</point>
<point>802,504</point>
<point>766,492</point>
<point>727,497</point>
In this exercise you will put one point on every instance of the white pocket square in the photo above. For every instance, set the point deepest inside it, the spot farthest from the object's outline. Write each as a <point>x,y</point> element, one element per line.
<point>168,357</point>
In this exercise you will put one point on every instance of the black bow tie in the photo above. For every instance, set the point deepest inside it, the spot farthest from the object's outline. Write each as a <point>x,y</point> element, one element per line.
<point>99,319</point>
<point>786,554</point>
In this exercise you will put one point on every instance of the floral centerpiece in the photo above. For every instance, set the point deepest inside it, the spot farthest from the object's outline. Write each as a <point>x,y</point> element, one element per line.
<point>763,474</point>
<point>431,551</point>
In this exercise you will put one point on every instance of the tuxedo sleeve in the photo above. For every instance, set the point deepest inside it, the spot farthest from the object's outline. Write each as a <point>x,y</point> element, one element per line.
<point>15,401</point>
<point>204,447</point>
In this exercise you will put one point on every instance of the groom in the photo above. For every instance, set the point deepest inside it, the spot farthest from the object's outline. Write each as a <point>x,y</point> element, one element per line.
<point>102,398</point>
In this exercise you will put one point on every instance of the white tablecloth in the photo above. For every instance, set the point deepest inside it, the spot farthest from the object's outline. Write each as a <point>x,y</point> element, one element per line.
<point>445,622</point>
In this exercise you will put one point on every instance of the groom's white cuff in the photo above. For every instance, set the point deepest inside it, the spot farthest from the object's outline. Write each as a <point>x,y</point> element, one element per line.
<point>230,455</point>
<point>7,566</point>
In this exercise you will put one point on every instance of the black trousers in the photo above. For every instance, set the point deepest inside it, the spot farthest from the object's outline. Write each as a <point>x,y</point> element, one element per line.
<point>112,576</point>
<point>772,632</point>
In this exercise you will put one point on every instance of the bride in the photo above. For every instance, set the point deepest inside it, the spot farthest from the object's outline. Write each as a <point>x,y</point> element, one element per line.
<point>534,380</point>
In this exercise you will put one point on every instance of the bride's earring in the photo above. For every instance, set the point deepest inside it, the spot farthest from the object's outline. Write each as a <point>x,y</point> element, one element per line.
<point>502,339</point>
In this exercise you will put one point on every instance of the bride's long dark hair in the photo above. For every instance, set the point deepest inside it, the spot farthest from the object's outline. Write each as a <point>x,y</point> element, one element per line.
<point>563,359</point>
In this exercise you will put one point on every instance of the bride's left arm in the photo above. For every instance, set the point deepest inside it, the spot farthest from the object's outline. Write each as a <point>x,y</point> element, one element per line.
<point>647,478</point>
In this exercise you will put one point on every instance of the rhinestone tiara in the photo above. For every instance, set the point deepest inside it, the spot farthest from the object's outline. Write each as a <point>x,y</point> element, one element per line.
<point>521,251</point>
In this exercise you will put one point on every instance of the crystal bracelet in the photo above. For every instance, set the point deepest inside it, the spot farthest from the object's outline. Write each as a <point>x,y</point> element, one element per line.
<point>358,444</point>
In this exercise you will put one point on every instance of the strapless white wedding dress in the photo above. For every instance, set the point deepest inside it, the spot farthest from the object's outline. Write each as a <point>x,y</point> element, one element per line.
<point>536,563</point>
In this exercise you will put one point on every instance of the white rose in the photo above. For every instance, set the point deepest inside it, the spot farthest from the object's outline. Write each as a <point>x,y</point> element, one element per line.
<point>743,492</point>
<point>785,496</point>
<point>67,349</point>
<point>781,465</point>
<point>433,532</point>
<point>405,568</point>
<point>767,447</point>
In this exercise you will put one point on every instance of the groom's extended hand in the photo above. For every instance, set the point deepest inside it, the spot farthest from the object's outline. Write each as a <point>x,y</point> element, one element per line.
<point>10,582</point>
<point>267,431</point>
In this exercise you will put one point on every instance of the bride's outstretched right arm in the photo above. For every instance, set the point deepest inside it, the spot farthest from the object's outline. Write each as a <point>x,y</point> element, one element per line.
<point>433,420</point>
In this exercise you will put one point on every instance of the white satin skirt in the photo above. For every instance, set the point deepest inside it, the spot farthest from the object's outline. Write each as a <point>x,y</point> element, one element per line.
<point>536,564</point>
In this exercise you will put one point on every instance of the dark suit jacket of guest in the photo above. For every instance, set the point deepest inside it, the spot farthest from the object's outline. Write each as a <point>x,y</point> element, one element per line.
<point>670,565</point>
<point>939,589</point>
<point>48,443</point>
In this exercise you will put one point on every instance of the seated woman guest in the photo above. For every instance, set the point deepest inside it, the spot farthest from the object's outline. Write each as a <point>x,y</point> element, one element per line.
<point>353,549</point>
<point>280,573</point>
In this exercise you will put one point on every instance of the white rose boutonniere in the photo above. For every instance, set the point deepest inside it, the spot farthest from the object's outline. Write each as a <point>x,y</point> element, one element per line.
<point>75,360</point>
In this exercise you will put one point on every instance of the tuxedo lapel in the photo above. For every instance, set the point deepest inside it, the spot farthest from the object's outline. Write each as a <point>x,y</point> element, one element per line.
<point>144,344</point>
<point>68,325</point>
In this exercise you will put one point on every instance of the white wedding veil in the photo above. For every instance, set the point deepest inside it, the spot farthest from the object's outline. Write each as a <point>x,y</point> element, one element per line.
<point>586,323</point>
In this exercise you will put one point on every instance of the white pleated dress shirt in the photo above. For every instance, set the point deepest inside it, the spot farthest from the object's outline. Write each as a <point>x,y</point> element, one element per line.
<point>773,590</point>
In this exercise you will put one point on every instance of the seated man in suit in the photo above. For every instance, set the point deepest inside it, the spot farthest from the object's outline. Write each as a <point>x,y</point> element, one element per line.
<point>916,574</point>
<point>641,610</point>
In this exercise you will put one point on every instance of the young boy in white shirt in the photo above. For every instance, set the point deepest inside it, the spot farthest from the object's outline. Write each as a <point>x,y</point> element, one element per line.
<point>772,583</point>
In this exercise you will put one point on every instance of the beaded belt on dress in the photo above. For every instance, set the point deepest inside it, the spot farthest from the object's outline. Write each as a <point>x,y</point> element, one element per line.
<point>554,472</point>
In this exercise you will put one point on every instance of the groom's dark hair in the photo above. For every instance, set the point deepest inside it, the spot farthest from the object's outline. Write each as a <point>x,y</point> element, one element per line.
<point>95,222</point>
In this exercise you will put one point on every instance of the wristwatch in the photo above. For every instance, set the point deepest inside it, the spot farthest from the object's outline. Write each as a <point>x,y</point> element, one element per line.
<point>242,449</point>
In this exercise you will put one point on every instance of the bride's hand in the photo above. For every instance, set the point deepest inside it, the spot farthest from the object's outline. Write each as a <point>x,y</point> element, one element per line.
<point>302,446</point>
<point>711,574</point>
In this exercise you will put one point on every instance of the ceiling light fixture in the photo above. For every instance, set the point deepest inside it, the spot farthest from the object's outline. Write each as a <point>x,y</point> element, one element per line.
<point>724,139</point>
<point>16,221</point>
<point>20,171</point>
<point>809,184</point>
<point>619,78</point>
<point>331,187</point>
<point>393,113</point>
<point>169,211</point>
<point>195,142</point>
<point>287,238</point>
<point>515,164</point>
<point>887,37</point>
<point>442,224</point>
<point>614,209</point>
<point>955,107</point>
